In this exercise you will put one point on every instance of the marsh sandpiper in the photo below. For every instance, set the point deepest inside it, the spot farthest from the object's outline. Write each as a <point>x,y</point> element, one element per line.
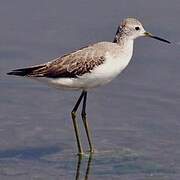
<point>89,67</point>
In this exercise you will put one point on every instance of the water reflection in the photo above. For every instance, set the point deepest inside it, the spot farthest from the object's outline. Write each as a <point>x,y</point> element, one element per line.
<point>78,170</point>
<point>52,161</point>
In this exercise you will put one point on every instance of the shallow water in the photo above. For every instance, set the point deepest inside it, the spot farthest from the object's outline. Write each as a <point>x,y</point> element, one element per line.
<point>134,120</point>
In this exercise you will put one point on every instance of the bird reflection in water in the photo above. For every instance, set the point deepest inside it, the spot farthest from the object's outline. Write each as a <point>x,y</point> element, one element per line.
<point>78,170</point>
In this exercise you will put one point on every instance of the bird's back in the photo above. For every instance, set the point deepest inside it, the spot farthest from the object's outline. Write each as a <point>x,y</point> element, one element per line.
<point>73,64</point>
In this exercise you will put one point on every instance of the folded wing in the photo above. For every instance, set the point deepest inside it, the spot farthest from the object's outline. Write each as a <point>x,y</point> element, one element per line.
<point>70,66</point>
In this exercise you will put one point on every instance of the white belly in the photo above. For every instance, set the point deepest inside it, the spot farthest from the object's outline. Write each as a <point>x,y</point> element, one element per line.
<point>100,75</point>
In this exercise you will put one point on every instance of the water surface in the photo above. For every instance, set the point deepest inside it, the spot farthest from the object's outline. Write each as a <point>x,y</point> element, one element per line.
<point>134,120</point>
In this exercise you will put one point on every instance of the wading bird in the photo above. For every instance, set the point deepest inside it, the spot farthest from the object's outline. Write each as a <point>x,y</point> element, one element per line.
<point>89,67</point>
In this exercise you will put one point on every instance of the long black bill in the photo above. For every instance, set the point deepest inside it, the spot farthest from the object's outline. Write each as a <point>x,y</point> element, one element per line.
<point>155,37</point>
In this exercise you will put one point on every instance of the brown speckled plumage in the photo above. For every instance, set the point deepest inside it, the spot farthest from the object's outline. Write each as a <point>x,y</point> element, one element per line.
<point>71,65</point>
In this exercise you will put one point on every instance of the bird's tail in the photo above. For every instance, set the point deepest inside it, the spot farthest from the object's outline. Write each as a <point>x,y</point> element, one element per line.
<point>25,71</point>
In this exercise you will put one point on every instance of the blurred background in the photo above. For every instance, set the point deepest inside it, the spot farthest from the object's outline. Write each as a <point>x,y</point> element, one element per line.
<point>134,120</point>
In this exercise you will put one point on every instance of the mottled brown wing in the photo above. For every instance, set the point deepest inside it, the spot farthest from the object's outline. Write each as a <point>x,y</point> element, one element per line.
<point>72,66</point>
<point>68,66</point>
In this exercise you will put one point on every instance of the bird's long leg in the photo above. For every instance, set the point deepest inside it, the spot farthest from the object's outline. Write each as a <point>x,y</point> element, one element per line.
<point>85,122</point>
<point>76,128</point>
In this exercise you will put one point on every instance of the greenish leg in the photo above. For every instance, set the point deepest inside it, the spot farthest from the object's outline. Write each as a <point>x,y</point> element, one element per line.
<point>76,128</point>
<point>85,122</point>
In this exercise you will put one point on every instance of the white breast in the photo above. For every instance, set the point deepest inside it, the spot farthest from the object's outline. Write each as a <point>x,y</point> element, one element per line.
<point>112,66</point>
<point>106,72</point>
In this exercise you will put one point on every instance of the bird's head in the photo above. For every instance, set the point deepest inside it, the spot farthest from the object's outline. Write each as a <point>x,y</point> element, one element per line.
<point>132,28</point>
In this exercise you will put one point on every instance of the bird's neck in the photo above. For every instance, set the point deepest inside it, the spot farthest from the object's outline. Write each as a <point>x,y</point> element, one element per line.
<point>123,40</point>
<point>126,45</point>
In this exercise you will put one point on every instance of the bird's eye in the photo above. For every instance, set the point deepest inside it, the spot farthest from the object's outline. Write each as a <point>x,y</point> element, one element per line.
<point>137,28</point>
